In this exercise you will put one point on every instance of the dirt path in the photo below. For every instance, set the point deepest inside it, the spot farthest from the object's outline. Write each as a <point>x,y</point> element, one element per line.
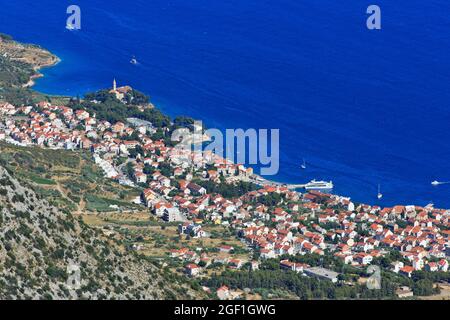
<point>80,207</point>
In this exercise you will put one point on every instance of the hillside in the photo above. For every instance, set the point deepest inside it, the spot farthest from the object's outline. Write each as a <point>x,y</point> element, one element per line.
<point>38,242</point>
<point>68,180</point>
<point>24,57</point>
<point>19,67</point>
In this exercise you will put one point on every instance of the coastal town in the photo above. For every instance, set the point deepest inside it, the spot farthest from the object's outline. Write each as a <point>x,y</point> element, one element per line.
<point>272,221</point>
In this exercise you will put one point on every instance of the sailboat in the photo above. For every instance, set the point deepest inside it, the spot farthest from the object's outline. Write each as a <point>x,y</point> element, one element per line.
<point>303,166</point>
<point>379,195</point>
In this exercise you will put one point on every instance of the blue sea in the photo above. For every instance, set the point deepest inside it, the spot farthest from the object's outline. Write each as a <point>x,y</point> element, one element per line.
<point>362,107</point>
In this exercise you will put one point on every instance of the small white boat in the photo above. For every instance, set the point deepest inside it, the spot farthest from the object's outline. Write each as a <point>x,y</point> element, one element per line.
<point>438,183</point>
<point>319,185</point>
<point>133,61</point>
<point>303,166</point>
<point>379,195</point>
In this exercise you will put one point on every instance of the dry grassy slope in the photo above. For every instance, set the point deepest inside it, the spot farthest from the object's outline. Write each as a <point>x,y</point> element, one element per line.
<point>38,241</point>
<point>32,55</point>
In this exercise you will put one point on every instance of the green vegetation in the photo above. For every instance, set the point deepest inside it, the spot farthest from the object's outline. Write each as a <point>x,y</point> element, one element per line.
<point>18,64</point>
<point>227,190</point>
<point>6,37</point>
<point>268,281</point>
<point>108,107</point>
<point>100,204</point>
<point>14,73</point>
<point>66,179</point>
<point>40,180</point>
<point>271,199</point>
<point>38,242</point>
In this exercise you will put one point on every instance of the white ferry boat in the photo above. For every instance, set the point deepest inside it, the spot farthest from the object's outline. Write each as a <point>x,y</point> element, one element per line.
<point>319,185</point>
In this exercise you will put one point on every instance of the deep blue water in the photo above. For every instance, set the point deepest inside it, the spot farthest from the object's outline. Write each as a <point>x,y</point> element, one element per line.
<point>363,107</point>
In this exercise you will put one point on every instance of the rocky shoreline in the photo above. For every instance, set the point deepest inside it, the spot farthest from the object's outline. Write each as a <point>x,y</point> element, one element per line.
<point>34,56</point>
